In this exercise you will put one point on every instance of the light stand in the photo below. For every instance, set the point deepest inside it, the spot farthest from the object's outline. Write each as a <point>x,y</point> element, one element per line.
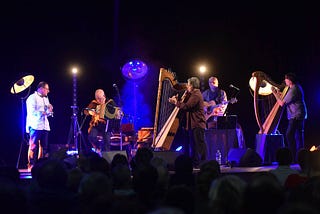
<point>22,84</point>
<point>75,135</point>
<point>22,127</point>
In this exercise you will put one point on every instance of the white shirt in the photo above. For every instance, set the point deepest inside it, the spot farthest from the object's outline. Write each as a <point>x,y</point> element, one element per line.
<point>36,105</point>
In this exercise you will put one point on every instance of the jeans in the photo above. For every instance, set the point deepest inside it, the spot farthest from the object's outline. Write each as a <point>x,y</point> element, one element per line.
<point>295,136</point>
<point>38,145</point>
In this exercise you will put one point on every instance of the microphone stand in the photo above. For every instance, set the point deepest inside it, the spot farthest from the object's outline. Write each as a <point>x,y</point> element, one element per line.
<point>120,105</point>
<point>226,161</point>
<point>118,93</point>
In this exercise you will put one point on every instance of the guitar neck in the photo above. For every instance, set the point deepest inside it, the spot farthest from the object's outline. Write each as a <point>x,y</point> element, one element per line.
<point>215,105</point>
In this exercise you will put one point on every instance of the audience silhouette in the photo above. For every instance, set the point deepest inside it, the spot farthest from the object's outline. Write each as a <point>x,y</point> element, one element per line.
<point>89,184</point>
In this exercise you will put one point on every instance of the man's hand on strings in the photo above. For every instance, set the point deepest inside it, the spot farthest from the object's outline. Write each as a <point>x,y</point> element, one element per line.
<point>174,99</point>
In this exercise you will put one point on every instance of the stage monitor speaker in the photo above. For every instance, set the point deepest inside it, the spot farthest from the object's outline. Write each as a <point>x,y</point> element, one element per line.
<point>110,154</point>
<point>250,159</point>
<point>235,155</point>
<point>168,156</point>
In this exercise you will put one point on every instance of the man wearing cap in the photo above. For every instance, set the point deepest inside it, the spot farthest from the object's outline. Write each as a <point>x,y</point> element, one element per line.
<point>296,113</point>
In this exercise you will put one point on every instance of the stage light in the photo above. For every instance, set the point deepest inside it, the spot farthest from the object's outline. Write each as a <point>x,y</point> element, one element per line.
<point>134,69</point>
<point>202,69</point>
<point>74,70</point>
<point>22,84</point>
<point>135,108</point>
<point>179,149</point>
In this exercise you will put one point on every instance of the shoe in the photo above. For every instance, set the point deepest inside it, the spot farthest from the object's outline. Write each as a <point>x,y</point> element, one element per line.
<point>30,167</point>
<point>196,167</point>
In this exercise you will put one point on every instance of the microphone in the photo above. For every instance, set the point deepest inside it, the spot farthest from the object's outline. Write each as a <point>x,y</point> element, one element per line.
<point>117,89</point>
<point>232,86</point>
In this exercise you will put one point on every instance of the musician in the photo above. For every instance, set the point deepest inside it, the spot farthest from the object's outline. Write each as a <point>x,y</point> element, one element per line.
<point>192,104</point>
<point>37,124</point>
<point>98,134</point>
<point>296,112</point>
<point>215,99</point>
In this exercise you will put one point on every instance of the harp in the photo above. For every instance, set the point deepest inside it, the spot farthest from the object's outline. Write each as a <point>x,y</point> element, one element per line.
<point>166,121</point>
<point>267,116</point>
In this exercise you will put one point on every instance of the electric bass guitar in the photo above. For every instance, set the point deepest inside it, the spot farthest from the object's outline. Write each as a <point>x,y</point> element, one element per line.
<point>213,109</point>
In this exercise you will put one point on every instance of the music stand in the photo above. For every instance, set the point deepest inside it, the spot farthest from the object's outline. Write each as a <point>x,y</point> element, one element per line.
<point>19,86</point>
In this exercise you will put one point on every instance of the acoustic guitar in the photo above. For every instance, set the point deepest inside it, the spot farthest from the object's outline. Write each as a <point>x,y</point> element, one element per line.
<point>213,109</point>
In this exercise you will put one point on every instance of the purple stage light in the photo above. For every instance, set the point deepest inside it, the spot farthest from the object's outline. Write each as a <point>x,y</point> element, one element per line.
<point>134,69</point>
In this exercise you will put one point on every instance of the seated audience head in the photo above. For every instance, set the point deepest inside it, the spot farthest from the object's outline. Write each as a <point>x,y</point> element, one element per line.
<point>52,174</point>
<point>183,164</point>
<point>315,163</point>
<point>211,166</point>
<point>263,187</point>
<point>180,197</point>
<point>284,156</point>
<point>143,156</point>
<point>209,171</point>
<point>303,159</point>
<point>119,159</point>
<point>162,168</point>
<point>121,176</point>
<point>226,189</point>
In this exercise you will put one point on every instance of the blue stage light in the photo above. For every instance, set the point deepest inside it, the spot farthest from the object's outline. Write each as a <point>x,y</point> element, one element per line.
<point>134,69</point>
<point>179,149</point>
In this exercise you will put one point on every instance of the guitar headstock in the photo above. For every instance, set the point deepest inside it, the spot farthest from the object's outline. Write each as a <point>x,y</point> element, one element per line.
<point>232,101</point>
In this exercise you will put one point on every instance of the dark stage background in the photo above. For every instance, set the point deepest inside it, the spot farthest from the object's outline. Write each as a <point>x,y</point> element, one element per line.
<point>234,39</point>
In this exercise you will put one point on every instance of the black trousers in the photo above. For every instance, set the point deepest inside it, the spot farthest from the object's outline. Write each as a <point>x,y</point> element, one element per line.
<point>198,146</point>
<point>99,139</point>
<point>295,136</point>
